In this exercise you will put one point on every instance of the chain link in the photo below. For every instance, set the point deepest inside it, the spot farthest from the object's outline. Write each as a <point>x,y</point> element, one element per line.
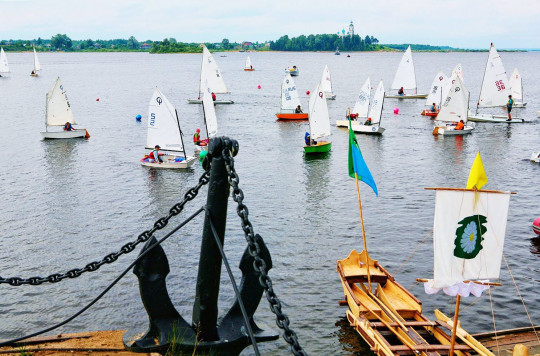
<point>112,257</point>
<point>259,265</point>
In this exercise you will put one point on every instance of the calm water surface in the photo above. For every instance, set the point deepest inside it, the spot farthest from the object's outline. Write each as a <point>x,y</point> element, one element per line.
<point>66,203</point>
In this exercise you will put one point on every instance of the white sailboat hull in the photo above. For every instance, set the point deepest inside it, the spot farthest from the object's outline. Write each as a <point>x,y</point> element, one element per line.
<point>199,101</point>
<point>367,129</point>
<point>451,131</point>
<point>495,119</point>
<point>64,134</point>
<point>169,163</point>
<point>407,96</point>
<point>535,157</point>
<point>345,123</point>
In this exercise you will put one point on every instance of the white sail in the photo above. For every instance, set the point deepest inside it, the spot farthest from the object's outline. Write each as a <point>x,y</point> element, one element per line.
<point>455,106</point>
<point>437,89</point>
<point>468,236</point>
<point>209,113</point>
<point>361,107</point>
<point>319,120</point>
<point>326,81</point>
<point>58,108</point>
<point>405,76</point>
<point>163,124</point>
<point>248,63</point>
<point>289,94</point>
<point>516,86</point>
<point>495,88</point>
<point>376,107</point>
<point>458,71</point>
<point>211,74</point>
<point>4,66</point>
<point>37,66</point>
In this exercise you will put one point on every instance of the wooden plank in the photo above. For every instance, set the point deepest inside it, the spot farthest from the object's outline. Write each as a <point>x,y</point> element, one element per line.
<point>377,324</point>
<point>428,347</point>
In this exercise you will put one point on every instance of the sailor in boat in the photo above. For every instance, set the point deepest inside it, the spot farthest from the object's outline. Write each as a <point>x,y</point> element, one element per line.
<point>460,125</point>
<point>33,72</point>
<point>308,140</point>
<point>434,108</point>
<point>368,122</point>
<point>154,155</point>
<point>509,107</point>
<point>197,138</point>
<point>213,96</point>
<point>298,110</point>
<point>353,116</point>
<point>69,127</point>
<point>401,91</point>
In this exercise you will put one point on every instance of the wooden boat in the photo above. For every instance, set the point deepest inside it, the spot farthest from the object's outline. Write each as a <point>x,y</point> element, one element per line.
<point>361,106</point>
<point>438,87</point>
<point>4,65</point>
<point>405,78</point>
<point>326,84</point>
<point>516,88</point>
<point>454,109</point>
<point>37,65</point>
<point>248,67</point>
<point>290,101</point>
<point>211,76</point>
<point>319,123</point>
<point>164,130</point>
<point>375,113</point>
<point>58,112</point>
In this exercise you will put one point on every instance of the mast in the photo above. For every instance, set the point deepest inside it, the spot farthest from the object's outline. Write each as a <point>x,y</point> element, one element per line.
<point>46,111</point>
<point>201,78</point>
<point>483,78</point>
<point>205,124</point>
<point>181,138</point>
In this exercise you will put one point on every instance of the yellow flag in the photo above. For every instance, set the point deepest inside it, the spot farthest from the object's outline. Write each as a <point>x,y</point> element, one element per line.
<point>477,175</point>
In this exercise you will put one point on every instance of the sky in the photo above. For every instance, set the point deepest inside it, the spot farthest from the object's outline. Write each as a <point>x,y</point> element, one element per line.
<point>456,23</point>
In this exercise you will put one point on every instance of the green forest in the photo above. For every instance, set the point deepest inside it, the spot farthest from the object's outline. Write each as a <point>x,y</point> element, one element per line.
<point>325,42</point>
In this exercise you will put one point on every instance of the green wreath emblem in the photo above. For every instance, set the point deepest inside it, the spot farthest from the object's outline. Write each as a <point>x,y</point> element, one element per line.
<point>469,238</point>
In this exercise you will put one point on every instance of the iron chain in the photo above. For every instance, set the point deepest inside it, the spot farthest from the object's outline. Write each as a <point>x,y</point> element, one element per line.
<point>112,257</point>
<point>259,265</point>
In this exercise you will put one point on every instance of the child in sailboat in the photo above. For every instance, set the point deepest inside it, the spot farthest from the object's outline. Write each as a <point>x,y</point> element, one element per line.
<point>69,127</point>
<point>434,108</point>
<point>401,91</point>
<point>154,155</point>
<point>298,110</point>
<point>509,107</point>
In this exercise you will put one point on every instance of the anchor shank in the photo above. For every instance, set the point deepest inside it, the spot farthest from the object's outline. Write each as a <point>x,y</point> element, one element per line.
<point>205,309</point>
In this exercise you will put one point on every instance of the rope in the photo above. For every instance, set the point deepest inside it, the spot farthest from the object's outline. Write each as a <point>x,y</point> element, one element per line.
<point>412,253</point>
<point>12,341</point>
<point>235,286</point>
<point>522,301</point>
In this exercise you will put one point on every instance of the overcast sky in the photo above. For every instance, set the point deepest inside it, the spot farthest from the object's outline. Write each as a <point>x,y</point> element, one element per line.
<point>457,23</point>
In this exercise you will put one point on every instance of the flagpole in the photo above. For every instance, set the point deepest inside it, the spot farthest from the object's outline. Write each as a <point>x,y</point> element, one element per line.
<point>454,328</point>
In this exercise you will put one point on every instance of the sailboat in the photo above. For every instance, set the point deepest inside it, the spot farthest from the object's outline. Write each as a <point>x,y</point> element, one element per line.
<point>361,106</point>
<point>375,114</point>
<point>454,108</point>
<point>290,101</point>
<point>326,84</point>
<point>495,90</point>
<point>164,130</point>
<point>337,52</point>
<point>405,78</point>
<point>319,123</point>
<point>210,74</point>
<point>37,66</point>
<point>516,88</point>
<point>4,66</point>
<point>440,82</point>
<point>210,121</point>
<point>58,113</point>
<point>249,66</point>
<point>292,71</point>
<point>467,257</point>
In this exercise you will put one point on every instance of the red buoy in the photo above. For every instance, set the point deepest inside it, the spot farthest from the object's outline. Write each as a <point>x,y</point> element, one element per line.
<point>97,99</point>
<point>259,86</point>
<point>307,92</point>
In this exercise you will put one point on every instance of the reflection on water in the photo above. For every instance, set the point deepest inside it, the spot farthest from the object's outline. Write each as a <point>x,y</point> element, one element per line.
<point>350,340</point>
<point>535,245</point>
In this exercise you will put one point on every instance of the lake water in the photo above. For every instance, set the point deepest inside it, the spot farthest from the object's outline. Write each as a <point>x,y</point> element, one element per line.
<point>66,203</point>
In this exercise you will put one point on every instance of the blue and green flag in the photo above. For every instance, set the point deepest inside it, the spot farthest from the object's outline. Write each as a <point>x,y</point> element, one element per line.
<point>357,164</point>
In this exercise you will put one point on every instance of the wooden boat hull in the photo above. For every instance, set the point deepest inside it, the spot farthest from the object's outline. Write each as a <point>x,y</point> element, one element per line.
<point>292,117</point>
<point>168,163</point>
<point>220,102</point>
<point>494,119</point>
<point>320,147</point>
<point>407,96</point>
<point>249,69</point>
<point>388,309</point>
<point>79,133</point>
<point>450,131</point>
<point>429,113</point>
<point>34,75</point>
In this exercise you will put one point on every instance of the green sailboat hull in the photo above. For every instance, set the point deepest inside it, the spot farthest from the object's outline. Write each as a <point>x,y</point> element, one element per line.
<point>320,147</point>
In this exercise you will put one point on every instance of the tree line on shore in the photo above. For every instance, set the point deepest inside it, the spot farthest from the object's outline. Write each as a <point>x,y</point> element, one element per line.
<point>325,42</point>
